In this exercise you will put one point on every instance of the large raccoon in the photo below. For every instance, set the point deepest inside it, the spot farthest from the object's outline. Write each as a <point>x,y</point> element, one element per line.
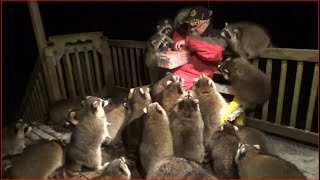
<point>158,42</point>
<point>171,94</point>
<point>160,86</point>
<point>212,105</point>
<point>223,148</point>
<point>117,169</point>
<point>249,83</point>
<point>176,168</point>
<point>187,126</point>
<point>59,111</point>
<point>39,160</point>
<point>246,38</point>
<point>254,136</point>
<point>13,138</point>
<point>156,141</point>
<point>132,133</point>
<point>255,165</point>
<point>87,137</point>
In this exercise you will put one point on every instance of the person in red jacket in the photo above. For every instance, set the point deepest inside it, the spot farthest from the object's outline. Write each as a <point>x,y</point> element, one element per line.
<point>203,43</point>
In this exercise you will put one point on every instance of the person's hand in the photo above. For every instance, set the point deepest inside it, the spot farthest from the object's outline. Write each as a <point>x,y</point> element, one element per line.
<point>180,45</point>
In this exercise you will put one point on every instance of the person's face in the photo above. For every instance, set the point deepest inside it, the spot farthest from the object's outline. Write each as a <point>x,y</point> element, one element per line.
<point>200,28</point>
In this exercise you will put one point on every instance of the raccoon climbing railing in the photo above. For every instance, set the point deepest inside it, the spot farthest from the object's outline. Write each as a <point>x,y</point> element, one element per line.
<point>90,64</point>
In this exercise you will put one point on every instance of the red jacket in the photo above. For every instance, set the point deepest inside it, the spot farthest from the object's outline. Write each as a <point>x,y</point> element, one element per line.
<point>205,55</point>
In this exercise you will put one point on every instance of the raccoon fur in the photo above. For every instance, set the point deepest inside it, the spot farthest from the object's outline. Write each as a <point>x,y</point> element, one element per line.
<point>255,165</point>
<point>212,105</point>
<point>156,141</point>
<point>247,39</point>
<point>116,169</point>
<point>187,130</point>
<point>223,148</point>
<point>39,160</point>
<point>160,86</point>
<point>13,138</point>
<point>85,144</point>
<point>249,83</point>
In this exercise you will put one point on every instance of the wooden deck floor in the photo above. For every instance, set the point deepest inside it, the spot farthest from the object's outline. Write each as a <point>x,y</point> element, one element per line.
<point>303,156</point>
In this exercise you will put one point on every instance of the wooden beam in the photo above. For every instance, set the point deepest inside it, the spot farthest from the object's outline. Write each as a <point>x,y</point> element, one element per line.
<point>286,131</point>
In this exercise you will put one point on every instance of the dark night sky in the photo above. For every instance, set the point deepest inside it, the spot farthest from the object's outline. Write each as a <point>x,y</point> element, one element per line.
<point>291,25</point>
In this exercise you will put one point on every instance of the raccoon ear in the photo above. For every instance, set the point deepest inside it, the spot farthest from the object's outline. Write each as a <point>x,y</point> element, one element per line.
<point>196,79</point>
<point>95,104</point>
<point>141,90</point>
<point>145,110</point>
<point>209,83</point>
<point>176,108</point>
<point>235,128</point>
<point>125,104</point>
<point>87,97</point>
<point>168,73</point>
<point>202,75</point>
<point>257,147</point>
<point>159,108</point>
<point>153,42</point>
<point>158,27</point>
<point>166,21</point>
<point>196,101</point>
<point>83,103</point>
<point>221,128</point>
<point>210,12</point>
<point>122,159</point>
<point>72,114</point>
<point>242,150</point>
<point>226,24</point>
<point>20,120</point>
<point>175,78</point>
<point>236,31</point>
<point>228,59</point>
<point>168,83</point>
<point>148,90</point>
<point>180,99</point>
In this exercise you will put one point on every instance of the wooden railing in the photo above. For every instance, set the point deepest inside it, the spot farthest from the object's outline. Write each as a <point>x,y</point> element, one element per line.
<point>89,64</point>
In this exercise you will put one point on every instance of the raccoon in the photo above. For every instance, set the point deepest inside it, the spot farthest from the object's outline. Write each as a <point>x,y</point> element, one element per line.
<point>179,21</point>
<point>118,117</point>
<point>158,42</point>
<point>187,130</point>
<point>174,168</point>
<point>160,86</point>
<point>246,38</point>
<point>87,137</point>
<point>255,165</point>
<point>117,169</point>
<point>171,94</point>
<point>39,160</point>
<point>254,136</point>
<point>13,138</point>
<point>223,148</point>
<point>156,141</point>
<point>164,26</point>
<point>132,133</point>
<point>59,111</point>
<point>212,105</point>
<point>249,83</point>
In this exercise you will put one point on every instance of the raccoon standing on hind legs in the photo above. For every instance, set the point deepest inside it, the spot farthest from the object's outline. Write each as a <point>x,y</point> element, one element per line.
<point>158,42</point>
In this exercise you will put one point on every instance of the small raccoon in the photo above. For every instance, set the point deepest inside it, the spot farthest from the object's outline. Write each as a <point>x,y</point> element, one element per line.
<point>253,164</point>
<point>59,111</point>
<point>39,160</point>
<point>253,136</point>
<point>246,38</point>
<point>212,105</point>
<point>171,94</point>
<point>141,98</point>
<point>160,86</point>
<point>187,130</point>
<point>117,169</point>
<point>87,137</point>
<point>174,168</point>
<point>156,141</point>
<point>13,138</point>
<point>164,27</point>
<point>223,148</point>
<point>249,83</point>
<point>158,42</point>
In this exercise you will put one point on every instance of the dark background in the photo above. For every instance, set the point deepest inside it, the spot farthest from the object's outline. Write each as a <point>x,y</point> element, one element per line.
<point>291,25</point>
